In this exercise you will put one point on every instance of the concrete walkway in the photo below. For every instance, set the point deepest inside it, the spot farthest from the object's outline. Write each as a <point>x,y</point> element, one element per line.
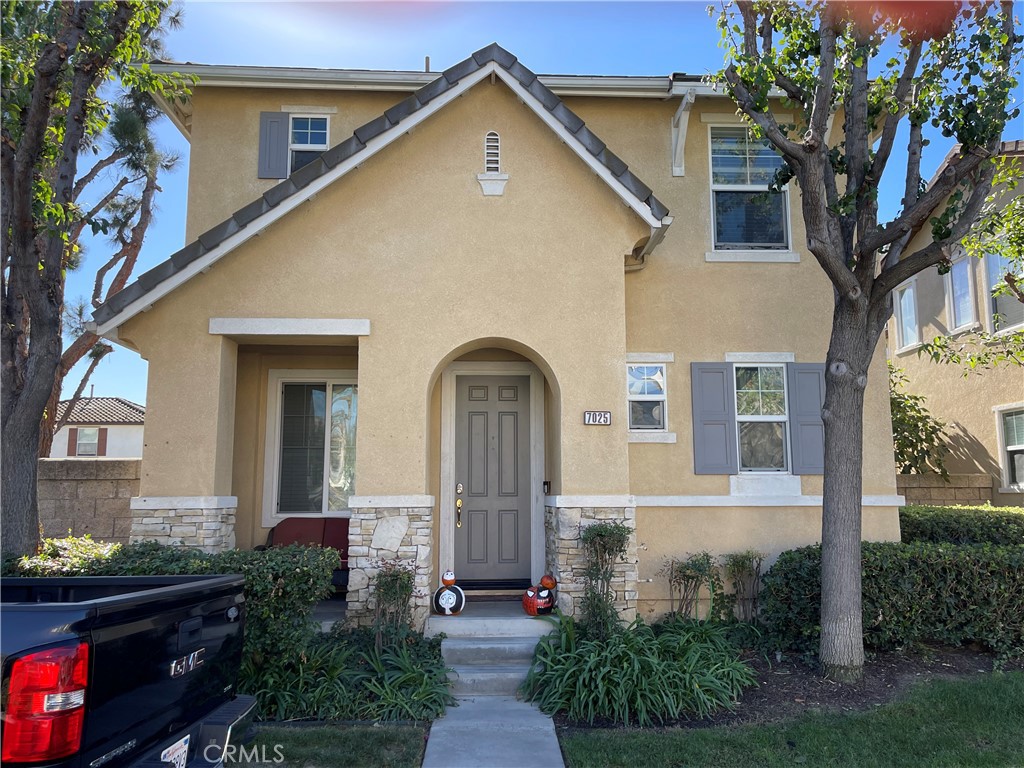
<point>493,732</point>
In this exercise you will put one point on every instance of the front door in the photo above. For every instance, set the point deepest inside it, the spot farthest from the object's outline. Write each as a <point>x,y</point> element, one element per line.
<point>492,481</point>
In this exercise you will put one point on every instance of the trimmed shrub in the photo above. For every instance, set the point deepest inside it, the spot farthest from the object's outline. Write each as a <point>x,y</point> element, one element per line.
<point>1002,526</point>
<point>640,676</point>
<point>912,593</point>
<point>604,544</point>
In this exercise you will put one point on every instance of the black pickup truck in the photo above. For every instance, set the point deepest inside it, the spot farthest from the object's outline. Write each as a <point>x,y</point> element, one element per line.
<point>115,671</point>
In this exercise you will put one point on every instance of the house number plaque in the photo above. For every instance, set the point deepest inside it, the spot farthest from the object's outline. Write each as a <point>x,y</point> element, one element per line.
<point>597,418</point>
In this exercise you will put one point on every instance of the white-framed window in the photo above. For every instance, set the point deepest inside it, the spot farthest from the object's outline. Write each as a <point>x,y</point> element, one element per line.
<point>310,460</point>
<point>1005,312</point>
<point>762,418</point>
<point>307,138</point>
<point>959,295</point>
<point>745,216</point>
<point>88,443</point>
<point>908,333</point>
<point>1010,432</point>
<point>646,393</point>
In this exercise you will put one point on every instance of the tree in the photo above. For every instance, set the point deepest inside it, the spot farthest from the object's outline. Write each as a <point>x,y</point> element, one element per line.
<point>55,57</point>
<point>867,70</point>
<point>919,440</point>
<point>126,204</point>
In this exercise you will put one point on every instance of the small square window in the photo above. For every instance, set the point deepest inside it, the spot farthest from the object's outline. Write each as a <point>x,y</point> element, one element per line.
<point>88,441</point>
<point>645,388</point>
<point>307,140</point>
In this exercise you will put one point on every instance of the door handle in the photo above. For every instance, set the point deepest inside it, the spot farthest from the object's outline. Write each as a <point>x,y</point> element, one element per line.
<point>458,513</point>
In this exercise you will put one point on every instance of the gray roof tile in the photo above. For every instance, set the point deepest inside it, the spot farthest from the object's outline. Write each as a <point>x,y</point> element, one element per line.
<point>373,128</point>
<point>214,236</point>
<point>251,212</point>
<point>342,152</point>
<point>357,142</point>
<point>495,53</point>
<point>279,192</point>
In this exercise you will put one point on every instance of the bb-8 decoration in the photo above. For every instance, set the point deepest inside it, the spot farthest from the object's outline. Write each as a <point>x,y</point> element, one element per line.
<point>539,600</point>
<point>449,600</point>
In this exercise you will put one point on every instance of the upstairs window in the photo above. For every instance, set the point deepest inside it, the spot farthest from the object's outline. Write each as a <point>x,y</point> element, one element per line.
<point>746,215</point>
<point>307,140</point>
<point>1006,311</point>
<point>907,331</point>
<point>960,299</point>
<point>645,387</point>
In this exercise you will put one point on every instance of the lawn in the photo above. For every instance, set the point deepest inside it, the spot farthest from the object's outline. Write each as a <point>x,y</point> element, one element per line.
<point>358,746</point>
<point>941,723</point>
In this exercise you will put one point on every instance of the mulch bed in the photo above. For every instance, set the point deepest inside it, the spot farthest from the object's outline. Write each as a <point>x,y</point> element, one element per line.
<point>789,687</point>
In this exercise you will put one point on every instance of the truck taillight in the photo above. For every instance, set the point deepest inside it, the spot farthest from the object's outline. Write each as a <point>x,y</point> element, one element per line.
<point>46,704</point>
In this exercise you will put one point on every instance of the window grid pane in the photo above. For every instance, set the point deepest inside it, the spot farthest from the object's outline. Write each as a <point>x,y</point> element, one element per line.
<point>1013,429</point>
<point>342,469</point>
<point>309,131</point>
<point>1010,312</point>
<point>960,299</point>
<point>908,317</point>
<point>303,434</point>
<point>645,387</point>
<point>88,441</point>
<point>761,418</point>
<point>750,219</point>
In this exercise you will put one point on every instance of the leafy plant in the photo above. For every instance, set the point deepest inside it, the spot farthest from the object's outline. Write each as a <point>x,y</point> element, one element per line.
<point>744,570</point>
<point>641,675</point>
<point>687,577</point>
<point>604,544</point>
<point>918,437</point>
<point>393,587</point>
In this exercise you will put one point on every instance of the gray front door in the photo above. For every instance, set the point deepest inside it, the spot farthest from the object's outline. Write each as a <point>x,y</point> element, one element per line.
<point>492,478</point>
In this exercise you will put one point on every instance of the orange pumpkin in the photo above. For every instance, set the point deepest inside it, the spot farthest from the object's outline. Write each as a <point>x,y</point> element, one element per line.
<point>448,578</point>
<point>548,581</point>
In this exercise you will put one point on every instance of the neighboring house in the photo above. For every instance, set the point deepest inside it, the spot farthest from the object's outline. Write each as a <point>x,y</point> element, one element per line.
<point>984,411</point>
<point>98,427</point>
<point>533,340</point>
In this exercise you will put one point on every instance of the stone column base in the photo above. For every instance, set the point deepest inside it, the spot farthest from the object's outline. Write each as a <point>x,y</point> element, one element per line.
<point>403,534</point>
<point>566,559</point>
<point>203,522</point>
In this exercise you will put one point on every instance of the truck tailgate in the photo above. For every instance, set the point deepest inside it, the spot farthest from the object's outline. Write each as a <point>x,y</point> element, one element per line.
<point>160,658</point>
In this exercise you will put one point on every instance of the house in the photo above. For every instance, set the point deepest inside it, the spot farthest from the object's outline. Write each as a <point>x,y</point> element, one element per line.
<point>101,427</point>
<point>446,307</point>
<point>984,412</point>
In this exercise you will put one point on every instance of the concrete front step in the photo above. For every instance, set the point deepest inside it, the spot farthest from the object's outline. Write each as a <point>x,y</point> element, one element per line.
<point>466,651</point>
<point>476,625</point>
<point>488,680</point>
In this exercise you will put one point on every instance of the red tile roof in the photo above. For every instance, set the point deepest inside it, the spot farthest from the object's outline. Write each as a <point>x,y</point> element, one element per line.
<point>104,410</point>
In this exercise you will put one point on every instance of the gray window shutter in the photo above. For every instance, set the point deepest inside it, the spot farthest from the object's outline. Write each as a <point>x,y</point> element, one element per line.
<point>273,163</point>
<point>714,419</point>
<point>807,431</point>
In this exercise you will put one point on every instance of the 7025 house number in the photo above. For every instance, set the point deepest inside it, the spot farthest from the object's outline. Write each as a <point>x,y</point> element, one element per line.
<point>598,418</point>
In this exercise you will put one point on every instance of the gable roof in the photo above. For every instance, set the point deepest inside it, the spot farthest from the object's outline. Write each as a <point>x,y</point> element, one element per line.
<point>103,410</point>
<point>363,144</point>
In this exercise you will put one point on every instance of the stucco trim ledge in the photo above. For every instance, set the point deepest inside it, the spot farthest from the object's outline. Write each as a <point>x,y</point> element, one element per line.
<point>288,326</point>
<point>391,502</point>
<point>184,502</point>
<point>590,501</point>
<point>756,501</point>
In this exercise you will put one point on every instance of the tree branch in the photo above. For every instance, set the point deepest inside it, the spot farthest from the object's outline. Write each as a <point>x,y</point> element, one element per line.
<point>892,121</point>
<point>106,162</point>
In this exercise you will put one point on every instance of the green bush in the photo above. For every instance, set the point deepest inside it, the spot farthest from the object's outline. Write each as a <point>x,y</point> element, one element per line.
<point>911,593</point>
<point>1001,526</point>
<point>604,544</point>
<point>641,675</point>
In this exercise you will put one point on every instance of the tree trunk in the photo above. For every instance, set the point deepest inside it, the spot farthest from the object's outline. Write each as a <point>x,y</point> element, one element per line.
<point>849,354</point>
<point>20,518</point>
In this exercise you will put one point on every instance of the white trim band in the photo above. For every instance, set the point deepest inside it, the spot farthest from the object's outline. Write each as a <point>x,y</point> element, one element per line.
<point>288,326</point>
<point>418,501</point>
<point>650,357</point>
<point>652,437</point>
<point>760,357</point>
<point>758,501</point>
<point>184,502</point>
<point>757,257</point>
<point>590,501</point>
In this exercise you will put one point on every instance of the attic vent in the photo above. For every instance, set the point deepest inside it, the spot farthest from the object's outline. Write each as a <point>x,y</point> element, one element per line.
<point>492,153</point>
<point>492,180</point>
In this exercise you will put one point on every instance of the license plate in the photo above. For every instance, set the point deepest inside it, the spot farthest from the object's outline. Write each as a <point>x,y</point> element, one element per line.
<point>176,754</point>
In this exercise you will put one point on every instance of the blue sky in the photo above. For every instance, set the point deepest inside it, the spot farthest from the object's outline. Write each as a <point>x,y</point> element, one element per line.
<point>635,38</point>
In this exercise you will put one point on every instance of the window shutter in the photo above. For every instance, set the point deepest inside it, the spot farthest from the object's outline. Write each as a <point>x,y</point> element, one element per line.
<point>714,419</point>
<point>72,441</point>
<point>273,162</point>
<point>101,446</point>
<point>807,430</point>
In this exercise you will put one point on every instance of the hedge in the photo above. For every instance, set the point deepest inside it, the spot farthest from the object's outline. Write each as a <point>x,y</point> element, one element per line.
<point>962,525</point>
<point>912,593</point>
<point>282,584</point>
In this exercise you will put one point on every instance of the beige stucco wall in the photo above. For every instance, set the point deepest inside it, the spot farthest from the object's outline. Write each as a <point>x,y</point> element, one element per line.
<point>409,242</point>
<point>964,403</point>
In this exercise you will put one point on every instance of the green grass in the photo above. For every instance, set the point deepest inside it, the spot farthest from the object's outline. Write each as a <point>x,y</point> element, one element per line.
<point>963,723</point>
<point>358,746</point>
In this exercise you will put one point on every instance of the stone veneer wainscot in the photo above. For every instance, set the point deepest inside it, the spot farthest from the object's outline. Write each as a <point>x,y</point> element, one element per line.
<point>381,533</point>
<point>203,522</point>
<point>566,558</point>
